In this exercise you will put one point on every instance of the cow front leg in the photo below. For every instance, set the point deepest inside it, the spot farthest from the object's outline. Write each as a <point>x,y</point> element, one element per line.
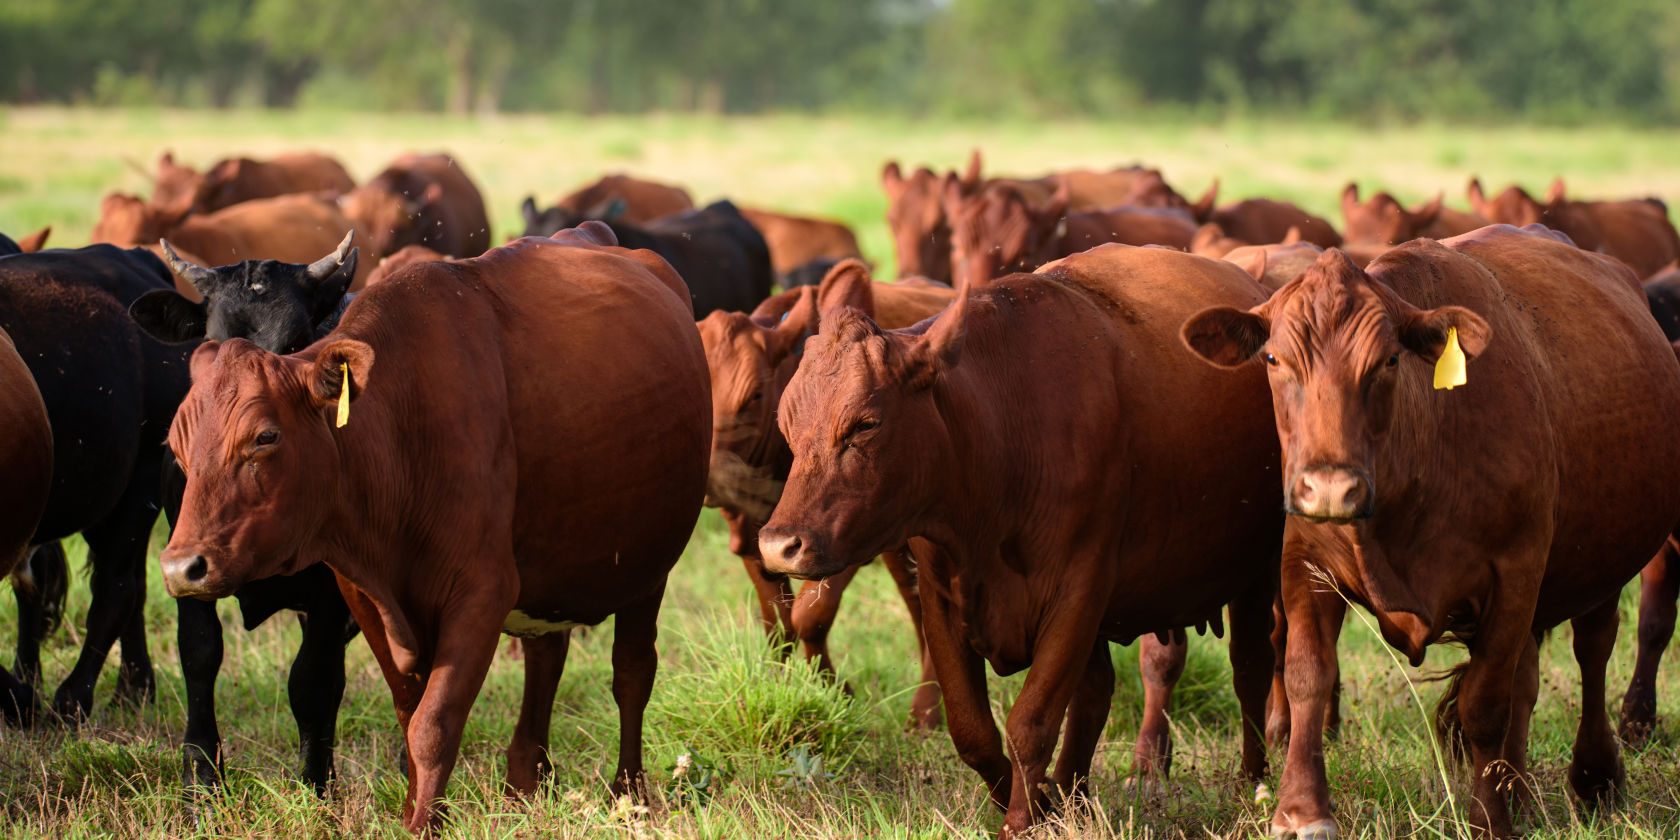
<point>198,635</point>
<point>1659,587</point>
<point>316,686</point>
<point>1087,715</point>
<point>775,594</point>
<point>925,709</point>
<point>1596,773</point>
<point>405,688</point>
<point>1486,693</point>
<point>527,753</point>
<point>1309,669</point>
<point>467,635</point>
<point>968,710</point>
<point>1062,653</point>
<point>635,662</point>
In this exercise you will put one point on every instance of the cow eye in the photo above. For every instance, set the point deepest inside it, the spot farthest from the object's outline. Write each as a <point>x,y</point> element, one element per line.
<point>864,426</point>
<point>1271,360</point>
<point>267,437</point>
<point>1394,360</point>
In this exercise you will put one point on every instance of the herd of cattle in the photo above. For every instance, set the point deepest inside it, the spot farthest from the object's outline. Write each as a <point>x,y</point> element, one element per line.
<point>1053,441</point>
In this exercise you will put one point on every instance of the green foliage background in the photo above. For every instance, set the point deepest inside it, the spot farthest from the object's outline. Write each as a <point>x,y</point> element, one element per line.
<point>1556,61</point>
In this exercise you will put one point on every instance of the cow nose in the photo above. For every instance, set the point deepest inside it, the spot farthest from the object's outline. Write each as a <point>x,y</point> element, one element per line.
<point>183,572</point>
<point>1332,493</point>
<point>782,551</point>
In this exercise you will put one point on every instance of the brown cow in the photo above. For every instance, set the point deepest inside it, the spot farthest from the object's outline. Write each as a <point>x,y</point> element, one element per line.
<point>406,256</point>
<point>1491,513</point>
<point>916,219</point>
<point>992,435</point>
<point>230,181</point>
<point>644,201</point>
<point>1383,220</point>
<point>999,231</point>
<point>797,240</point>
<point>1274,265</point>
<point>289,228</point>
<point>26,460</point>
<point>420,200</point>
<point>1263,221</point>
<point>1636,232</point>
<point>1211,241</point>
<point>477,487</point>
<point>751,359</point>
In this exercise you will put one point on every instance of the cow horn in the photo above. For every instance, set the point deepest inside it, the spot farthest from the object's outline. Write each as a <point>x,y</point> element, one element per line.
<point>324,267</point>
<point>200,277</point>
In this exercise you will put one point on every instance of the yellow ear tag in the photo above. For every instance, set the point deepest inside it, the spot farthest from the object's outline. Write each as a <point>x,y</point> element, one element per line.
<point>1450,369</point>
<point>344,396</point>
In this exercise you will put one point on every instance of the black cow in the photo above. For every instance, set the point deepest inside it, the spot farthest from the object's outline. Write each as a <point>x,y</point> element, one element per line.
<point>715,250</point>
<point>111,392</point>
<point>282,308</point>
<point>8,247</point>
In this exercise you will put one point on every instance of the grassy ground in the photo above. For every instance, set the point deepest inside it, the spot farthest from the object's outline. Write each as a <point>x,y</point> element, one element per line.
<point>721,693</point>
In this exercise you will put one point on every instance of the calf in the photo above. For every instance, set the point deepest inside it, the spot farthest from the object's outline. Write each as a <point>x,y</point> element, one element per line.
<point>1383,220</point>
<point>460,483</point>
<point>1491,513</point>
<point>751,358</point>
<point>26,460</point>
<point>282,308</point>
<point>1066,477</point>
<point>109,391</point>
<point>420,200</point>
<point>1636,232</point>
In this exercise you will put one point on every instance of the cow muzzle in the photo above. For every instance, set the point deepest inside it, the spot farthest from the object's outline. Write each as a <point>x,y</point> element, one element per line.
<point>1331,494</point>
<point>789,551</point>
<point>189,574</point>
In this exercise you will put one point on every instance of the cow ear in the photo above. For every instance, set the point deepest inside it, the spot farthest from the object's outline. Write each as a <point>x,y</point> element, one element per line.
<point>971,177</point>
<point>203,360</point>
<point>1427,212</point>
<point>951,196</point>
<point>530,212</point>
<point>1202,210</point>
<point>1060,200</point>
<point>325,376</point>
<point>1350,197</point>
<point>1478,200</point>
<point>892,179</point>
<point>847,284</point>
<point>1293,236</point>
<point>1255,264</point>
<point>166,316</point>
<point>1425,332</point>
<point>1226,336</point>
<point>1555,193</point>
<point>788,336</point>
<point>1205,236</point>
<point>941,346</point>
<point>35,241</point>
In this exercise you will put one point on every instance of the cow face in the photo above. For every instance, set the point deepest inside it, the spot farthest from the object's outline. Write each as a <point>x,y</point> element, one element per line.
<point>999,231</point>
<point>751,360</point>
<point>916,216</point>
<point>867,439</point>
<point>1382,220</point>
<point>255,439</point>
<point>278,306</point>
<point>1340,349</point>
<point>388,218</point>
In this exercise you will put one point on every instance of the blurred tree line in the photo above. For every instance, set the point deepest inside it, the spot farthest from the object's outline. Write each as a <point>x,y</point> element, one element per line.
<point>1551,60</point>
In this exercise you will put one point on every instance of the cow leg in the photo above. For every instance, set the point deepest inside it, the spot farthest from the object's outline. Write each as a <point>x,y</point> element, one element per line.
<point>635,662</point>
<point>198,634</point>
<point>405,688</point>
<point>813,615</point>
<point>775,596</point>
<point>1596,773</point>
<point>1252,668</point>
<point>316,686</point>
<point>527,753</point>
<point>925,709</point>
<point>962,676</point>
<point>1160,664</point>
<point>1310,671</point>
<point>468,633</point>
<point>1062,653</point>
<point>117,553</point>
<point>1087,715</point>
<point>1277,701</point>
<point>136,683</point>
<point>40,607</point>
<point>1525,690</point>
<point>1485,697</point>
<point>17,700</point>
<point>1659,587</point>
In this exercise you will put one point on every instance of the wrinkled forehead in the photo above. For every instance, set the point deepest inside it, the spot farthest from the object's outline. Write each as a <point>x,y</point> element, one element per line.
<point>1332,309</point>
<point>850,359</point>
<point>242,382</point>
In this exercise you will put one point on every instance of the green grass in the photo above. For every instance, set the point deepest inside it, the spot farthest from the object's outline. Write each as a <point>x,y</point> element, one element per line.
<point>721,693</point>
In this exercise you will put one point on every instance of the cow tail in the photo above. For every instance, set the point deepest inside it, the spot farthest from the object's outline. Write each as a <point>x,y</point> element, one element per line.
<point>1449,728</point>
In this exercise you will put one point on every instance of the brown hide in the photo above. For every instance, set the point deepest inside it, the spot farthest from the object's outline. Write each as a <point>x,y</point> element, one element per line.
<point>1274,265</point>
<point>478,485</point>
<point>1262,221</point>
<point>1637,232</point>
<point>1383,220</point>
<point>26,460</point>
<point>992,432</point>
<point>1522,499</point>
<point>420,200</point>
<point>797,240</point>
<point>916,218</point>
<point>235,180</point>
<point>408,255</point>
<point>644,201</point>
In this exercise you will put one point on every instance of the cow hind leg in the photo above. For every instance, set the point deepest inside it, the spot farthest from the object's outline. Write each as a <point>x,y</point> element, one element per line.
<point>1086,717</point>
<point>1277,700</point>
<point>925,709</point>
<point>1596,773</point>
<point>775,604</point>
<point>1252,672</point>
<point>198,635</point>
<point>527,753</point>
<point>136,682</point>
<point>17,700</point>
<point>635,662</point>
<point>316,686</point>
<point>1659,588</point>
<point>1161,665</point>
<point>40,607</point>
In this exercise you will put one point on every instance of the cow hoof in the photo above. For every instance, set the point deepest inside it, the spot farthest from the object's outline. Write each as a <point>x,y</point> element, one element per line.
<point>68,709</point>
<point>19,706</point>
<point>1321,830</point>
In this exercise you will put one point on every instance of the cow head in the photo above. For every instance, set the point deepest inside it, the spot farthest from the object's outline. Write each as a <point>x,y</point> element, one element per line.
<point>751,358</point>
<point>175,186</point>
<point>127,221</point>
<point>916,216</point>
<point>390,219</point>
<point>1513,207</point>
<point>1382,219</point>
<point>868,442</point>
<point>1000,231</point>
<point>278,306</point>
<point>1340,349</point>
<point>256,441</point>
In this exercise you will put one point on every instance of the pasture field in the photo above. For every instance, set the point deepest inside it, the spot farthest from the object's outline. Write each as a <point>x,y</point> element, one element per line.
<point>722,694</point>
